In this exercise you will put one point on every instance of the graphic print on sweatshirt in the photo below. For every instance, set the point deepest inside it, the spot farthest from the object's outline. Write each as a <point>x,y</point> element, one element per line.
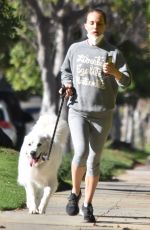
<point>89,70</point>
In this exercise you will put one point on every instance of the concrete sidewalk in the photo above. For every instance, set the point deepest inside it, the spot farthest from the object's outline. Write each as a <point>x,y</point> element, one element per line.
<point>123,205</point>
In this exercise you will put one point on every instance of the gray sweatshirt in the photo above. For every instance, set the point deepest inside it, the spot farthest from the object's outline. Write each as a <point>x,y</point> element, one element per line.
<point>82,67</point>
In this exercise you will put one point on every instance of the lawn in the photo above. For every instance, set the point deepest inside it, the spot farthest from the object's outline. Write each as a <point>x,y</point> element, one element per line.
<point>12,196</point>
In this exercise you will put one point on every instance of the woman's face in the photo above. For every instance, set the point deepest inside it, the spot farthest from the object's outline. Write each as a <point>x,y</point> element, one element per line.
<point>95,24</point>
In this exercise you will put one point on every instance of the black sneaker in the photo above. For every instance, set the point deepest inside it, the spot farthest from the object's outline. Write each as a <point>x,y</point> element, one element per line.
<point>72,207</point>
<point>87,213</point>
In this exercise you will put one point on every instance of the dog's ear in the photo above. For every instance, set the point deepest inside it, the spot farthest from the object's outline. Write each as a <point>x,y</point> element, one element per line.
<point>47,137</point>
<point>48,140</point>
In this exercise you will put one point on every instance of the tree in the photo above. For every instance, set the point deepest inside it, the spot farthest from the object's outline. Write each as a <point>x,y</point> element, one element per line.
<point>128,30</point>
<point>49,28</point>
<point>8,35</point>
<point>50,53</point>
<point>134,41</point>
<point>24,72</point>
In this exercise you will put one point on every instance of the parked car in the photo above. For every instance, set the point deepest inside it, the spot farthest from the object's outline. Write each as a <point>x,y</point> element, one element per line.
<point>6,123</point>
<point>5,141</point>
<point>18,117</point>
<point>32,106</point>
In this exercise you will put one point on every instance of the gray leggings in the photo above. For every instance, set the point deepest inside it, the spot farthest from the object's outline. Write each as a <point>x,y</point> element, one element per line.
<point>88,137</point>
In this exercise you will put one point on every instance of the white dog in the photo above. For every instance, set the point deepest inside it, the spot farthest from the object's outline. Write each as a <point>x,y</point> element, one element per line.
<point>37,175</point>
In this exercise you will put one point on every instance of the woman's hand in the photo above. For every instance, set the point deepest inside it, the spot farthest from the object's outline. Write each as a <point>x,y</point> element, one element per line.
<point>110,69</point>
<point>67,90</point>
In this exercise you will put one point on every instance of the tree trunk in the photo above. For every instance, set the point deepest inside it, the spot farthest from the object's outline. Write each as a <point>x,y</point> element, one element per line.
<point>44,28</point>
<point>49,61</point>
<point>45,63</point>
<point>60,49</point>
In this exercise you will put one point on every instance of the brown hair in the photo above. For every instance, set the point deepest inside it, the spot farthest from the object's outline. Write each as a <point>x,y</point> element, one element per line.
<point>98,11</point>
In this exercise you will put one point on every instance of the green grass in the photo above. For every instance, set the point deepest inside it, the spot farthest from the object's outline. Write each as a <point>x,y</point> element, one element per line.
<point>12,196</point>
<point>114,162</point>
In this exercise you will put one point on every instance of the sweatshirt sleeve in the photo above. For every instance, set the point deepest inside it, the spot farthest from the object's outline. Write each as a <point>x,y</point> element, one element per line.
<point>123,68</point>
<point>66,73</point>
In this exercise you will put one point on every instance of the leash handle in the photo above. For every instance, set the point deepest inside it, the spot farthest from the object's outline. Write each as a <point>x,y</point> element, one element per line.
<point>63,89</point>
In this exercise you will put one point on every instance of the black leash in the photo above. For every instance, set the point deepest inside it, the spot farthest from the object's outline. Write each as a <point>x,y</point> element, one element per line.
<point>58,116</point>
<point>62,92</point>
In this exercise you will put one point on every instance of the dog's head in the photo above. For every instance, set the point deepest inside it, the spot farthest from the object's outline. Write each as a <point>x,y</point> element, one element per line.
<point>36,149</point>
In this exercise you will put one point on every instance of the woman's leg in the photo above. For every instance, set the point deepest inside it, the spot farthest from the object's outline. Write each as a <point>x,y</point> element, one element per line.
<point>77,176</point>
<point>90,187</point>
<point>99,131</point>
<point>79,129</point>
